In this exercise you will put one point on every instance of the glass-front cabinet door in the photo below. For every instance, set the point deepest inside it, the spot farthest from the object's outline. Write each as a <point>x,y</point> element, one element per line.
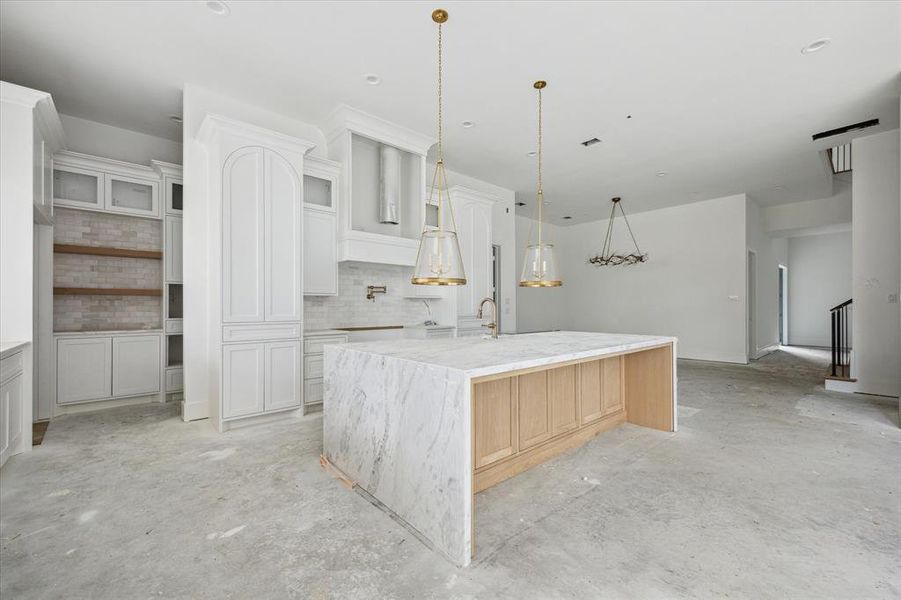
<point>174,193</point>
<point>78,188</point>
<point>132,196</point>
<point>318,192</point>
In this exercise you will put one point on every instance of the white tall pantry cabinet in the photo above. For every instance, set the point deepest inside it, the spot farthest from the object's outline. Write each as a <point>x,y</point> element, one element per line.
<point>473,215</point>
<point>255,285</point>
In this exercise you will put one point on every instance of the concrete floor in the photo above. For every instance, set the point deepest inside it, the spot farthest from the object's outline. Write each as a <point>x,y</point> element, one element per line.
<point>772,488</point>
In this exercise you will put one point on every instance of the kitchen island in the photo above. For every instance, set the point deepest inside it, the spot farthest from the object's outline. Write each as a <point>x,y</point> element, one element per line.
<point>422,425</point>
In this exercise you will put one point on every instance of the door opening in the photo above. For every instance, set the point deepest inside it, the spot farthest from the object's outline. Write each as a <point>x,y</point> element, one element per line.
<point>752,305</point>
<point>783,306</point>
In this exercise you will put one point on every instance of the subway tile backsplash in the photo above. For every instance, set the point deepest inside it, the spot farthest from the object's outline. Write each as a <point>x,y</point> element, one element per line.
<point>350,308</point>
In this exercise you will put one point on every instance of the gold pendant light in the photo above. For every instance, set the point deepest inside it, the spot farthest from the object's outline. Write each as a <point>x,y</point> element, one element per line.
<point>439,261</point>
<point>539,267</point>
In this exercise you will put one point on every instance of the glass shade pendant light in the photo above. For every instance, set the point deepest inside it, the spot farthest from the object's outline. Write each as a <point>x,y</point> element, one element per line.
<point>439,261</point>
<point>539,267</point>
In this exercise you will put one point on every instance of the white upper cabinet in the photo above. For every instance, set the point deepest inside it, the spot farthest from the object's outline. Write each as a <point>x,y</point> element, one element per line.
<point>320,226</point>
<point>243,191</point>
<point>473,214</point>
<point>93,183</point>
<point>173,186</point>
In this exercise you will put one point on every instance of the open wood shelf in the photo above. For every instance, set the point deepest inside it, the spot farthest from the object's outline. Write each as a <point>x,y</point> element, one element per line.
<point>102,251</point>
<point>74,291</point>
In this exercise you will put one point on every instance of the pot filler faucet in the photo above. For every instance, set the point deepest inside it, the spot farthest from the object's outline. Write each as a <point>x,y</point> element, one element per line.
<point>493,325</point>
<point>372,290</point>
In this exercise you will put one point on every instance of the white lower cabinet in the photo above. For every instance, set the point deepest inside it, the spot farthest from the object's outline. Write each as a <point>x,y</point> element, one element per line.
<point>84,368</point>
<point>136,365</point>
<point>243,388</point>
<point>313,358</point>
<point>11,400</point>
<point>282,375</point>
<point>105,367</point>
<point>260,377</point>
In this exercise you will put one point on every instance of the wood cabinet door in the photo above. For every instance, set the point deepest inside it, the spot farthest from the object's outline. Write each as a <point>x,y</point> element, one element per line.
<point>174,250</point>
<point>243,190</point>
<point>283,375</point>
<point>83,369</point>
<point>283,240</point>
<point>561,389</point>
<point>591,391</point>
<point>320,253</point>
<point>613,384</point>
<point>496,424</point>
<point>243,375</point>
<point>136,365</point>
<point>534,409</point>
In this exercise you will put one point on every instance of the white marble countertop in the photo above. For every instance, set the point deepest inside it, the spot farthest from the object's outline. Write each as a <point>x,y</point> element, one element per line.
<point>9,347</point>
<point>476,356</point>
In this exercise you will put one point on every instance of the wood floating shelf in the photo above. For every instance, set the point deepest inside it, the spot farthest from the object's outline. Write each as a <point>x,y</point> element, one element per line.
<point>76,291</point>
<point>102,251</point>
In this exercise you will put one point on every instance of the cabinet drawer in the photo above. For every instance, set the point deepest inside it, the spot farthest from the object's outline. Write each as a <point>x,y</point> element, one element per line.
<point>175,326</point>
<point>11,365</point>
<point>313,391</point>
<point>175,380</point>
<point>254,332</point>
<point>315,345</point>
<point>312,366</point>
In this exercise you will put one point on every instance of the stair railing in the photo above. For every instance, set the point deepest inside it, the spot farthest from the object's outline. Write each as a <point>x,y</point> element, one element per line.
<point>841,339</point>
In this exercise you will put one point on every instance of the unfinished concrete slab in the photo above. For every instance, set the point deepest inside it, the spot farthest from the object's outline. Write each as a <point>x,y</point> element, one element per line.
<point>771,488</point>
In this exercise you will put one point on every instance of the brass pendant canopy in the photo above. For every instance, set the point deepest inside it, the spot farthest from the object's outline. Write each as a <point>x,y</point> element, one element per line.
<point>439,260</point>
<point>539,265</point>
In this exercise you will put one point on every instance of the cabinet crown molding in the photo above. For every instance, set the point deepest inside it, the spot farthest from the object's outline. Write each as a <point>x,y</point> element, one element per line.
<point>45,111</point>
<point>166,168</point>
<point>107,165</point>
<point>348,119</point>
<point>214,125</point>
<point>463,192</point>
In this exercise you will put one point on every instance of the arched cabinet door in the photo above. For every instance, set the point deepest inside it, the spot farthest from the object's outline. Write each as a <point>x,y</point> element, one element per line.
<point>262,250</point>
<point>243,246</point>
<point>283,240</point>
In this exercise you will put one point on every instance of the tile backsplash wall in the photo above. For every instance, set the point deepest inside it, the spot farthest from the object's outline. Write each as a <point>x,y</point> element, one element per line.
<point>87,228</point>
<point>93,313</point>
<point>350,308</point>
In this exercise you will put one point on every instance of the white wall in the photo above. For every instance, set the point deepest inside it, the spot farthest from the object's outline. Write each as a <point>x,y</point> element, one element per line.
<point>541,309</point>
<point>99,139</point>
<point>876,253</point>
<point>693,287</point>
<point>796,218</point>
<point>766,304</point>
<point>819,277</point>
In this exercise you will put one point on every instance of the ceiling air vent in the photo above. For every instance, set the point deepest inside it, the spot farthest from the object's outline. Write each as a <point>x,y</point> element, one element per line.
<point>591,142</point>
<point>846,129</point>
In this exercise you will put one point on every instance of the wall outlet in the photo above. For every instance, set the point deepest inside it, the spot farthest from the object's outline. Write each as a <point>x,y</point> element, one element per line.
<point>893,298</point>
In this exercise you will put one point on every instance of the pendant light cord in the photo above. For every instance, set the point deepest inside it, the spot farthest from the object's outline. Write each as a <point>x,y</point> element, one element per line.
<point>540,190</point>
<point>440,102</point>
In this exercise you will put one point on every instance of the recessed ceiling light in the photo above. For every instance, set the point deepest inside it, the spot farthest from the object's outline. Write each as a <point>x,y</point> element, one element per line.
<point>661,173</point>
<point>372,79</point>
<point>628,116</point>
<point>467,124</point>
<point>176,119</point>
<point>532,153</point>
<point>218,7</point>
<point>815,46</point>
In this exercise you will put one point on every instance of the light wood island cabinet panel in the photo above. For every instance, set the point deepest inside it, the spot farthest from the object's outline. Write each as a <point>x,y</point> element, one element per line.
<point>561,389</point>
<point>612,379</point>
<point>590,391</point>
<point>648,388</point>
<point>534,409</point>
<point>496,422</point>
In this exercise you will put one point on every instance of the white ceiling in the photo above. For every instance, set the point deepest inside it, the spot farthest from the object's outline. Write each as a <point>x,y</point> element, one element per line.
<point>721,97</point>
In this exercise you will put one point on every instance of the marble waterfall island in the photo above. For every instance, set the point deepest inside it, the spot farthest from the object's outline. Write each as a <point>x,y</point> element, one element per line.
<point>422,425</point>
